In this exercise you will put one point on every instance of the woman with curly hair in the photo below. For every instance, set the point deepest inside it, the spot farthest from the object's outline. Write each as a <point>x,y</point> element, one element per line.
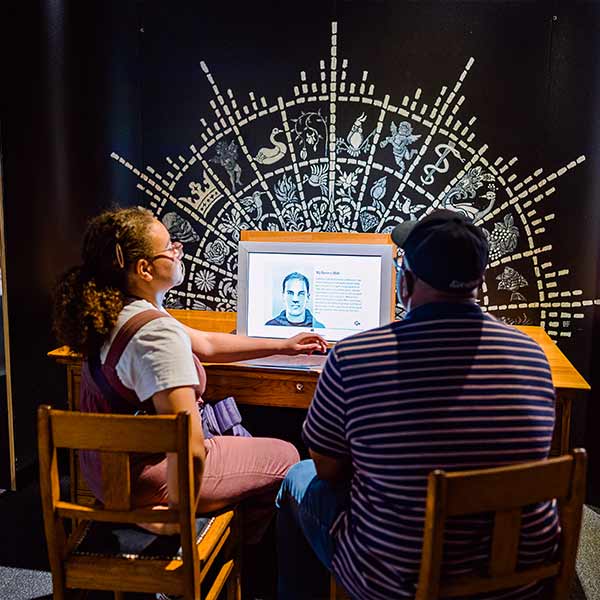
<point>129,264</point>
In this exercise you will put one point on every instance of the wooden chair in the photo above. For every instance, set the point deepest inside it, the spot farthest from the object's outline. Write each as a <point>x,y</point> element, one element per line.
<point>106,550</point>
<point>336,591</point>
<point>504,491</point>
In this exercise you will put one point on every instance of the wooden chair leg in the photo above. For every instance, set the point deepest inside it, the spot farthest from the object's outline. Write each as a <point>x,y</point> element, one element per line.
<point>234,588</point>
<point>336,591</point>
<point>237,581</point>
<point>332,587</point>
<point>119,595</point>
<point>234,585</point>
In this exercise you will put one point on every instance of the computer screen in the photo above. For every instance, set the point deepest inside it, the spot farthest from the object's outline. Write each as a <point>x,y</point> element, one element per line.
<point>335,289</point>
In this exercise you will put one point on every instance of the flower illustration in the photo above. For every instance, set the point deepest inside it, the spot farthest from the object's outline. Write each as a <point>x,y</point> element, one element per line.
<point>216,252</point>
<point>347,181</point>
<point>205,280</point>
<point>285,190</point>
<point>179,228</point>
<point>232,223</point>
<point>294,220</point>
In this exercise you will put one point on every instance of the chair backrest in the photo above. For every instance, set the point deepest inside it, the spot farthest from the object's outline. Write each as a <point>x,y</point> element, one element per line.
<point>504,492</point>
<point>116,437</point>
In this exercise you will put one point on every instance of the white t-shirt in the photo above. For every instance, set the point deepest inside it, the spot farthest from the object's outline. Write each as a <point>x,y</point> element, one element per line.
<point>158,357</point>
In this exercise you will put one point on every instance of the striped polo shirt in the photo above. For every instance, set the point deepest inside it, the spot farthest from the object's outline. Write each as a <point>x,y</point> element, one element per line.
<point>451,388</point>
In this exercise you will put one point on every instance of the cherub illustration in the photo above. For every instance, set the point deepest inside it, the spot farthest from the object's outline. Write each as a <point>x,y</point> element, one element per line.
<point>402,137</point>
<point>227,157</point>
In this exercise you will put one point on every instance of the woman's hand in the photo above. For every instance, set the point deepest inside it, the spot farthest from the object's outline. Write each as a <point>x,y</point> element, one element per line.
<point>303,343</point>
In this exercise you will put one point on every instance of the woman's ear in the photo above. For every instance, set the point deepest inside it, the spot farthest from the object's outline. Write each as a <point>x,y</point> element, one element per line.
<point>143,269</point>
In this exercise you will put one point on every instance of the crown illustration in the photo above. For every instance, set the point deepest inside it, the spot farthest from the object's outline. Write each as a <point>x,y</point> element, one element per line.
<point>203,195</point>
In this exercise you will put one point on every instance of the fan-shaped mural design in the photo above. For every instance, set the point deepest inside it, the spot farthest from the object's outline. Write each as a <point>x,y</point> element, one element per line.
<point>399,159</point>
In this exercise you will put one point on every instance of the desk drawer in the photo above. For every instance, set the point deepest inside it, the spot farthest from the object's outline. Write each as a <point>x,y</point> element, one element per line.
<point>261,387</point>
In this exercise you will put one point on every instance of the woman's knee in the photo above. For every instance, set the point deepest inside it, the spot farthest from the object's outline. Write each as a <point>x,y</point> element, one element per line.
<point>278,455</point>
<point>288,454</point>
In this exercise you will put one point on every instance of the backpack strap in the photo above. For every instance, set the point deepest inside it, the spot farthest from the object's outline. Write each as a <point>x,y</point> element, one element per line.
<point>105,376</point>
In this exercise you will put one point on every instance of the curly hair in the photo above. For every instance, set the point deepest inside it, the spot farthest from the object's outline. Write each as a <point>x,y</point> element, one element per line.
<point>88,298</point>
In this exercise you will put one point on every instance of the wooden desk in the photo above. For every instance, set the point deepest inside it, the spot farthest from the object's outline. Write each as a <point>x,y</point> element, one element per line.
<point>294,388</point>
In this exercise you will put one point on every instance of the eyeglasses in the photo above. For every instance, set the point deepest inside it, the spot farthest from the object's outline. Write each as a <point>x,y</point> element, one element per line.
<point>399,262</point>
<point>174,251</point>
<point>400,270</point>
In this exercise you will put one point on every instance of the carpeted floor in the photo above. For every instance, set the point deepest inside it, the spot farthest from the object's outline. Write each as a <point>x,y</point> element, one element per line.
<point>24,570</point>
<point>588,555</point>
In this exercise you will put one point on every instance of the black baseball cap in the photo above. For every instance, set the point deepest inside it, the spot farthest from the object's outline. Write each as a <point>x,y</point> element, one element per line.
<point>444,249</point>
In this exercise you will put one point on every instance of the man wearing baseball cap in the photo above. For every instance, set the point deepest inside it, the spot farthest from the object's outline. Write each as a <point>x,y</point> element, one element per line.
<point>448,387</point>
<point>442,258</point>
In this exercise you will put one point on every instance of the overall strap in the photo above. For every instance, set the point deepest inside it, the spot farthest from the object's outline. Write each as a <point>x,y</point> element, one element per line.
<point>129,329</point>
<point>105,376</point>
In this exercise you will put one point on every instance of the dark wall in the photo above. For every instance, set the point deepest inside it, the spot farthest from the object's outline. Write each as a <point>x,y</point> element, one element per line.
<point>533,88</point>
<point>575,91</point>
<point>124,78</point>
<point>69,96</point>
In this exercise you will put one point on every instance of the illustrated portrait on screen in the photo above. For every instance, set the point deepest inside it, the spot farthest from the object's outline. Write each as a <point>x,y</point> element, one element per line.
<point>295,290</point>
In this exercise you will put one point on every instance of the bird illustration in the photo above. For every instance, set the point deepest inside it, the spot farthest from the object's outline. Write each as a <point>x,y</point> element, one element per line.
<point>268,156</point>
<point>254,203</point>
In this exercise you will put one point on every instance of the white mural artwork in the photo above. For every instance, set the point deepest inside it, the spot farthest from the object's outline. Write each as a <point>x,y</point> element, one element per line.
<point>400,159</point>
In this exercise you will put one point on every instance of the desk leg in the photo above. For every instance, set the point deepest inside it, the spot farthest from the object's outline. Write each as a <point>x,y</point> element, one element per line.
<point>72,383</point>
<point>564,404</point>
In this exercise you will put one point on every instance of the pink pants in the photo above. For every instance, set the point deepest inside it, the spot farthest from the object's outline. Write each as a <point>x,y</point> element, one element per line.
<point>240,470</point>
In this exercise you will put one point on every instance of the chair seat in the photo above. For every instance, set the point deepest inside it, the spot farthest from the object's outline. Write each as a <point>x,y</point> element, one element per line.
<point>126,553</point>
<point>119,540</point>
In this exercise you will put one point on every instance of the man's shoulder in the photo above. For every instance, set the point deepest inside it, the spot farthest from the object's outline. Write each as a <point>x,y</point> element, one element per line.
<point>510,331</point>
<point>404,330</point>
<point>365,340</point>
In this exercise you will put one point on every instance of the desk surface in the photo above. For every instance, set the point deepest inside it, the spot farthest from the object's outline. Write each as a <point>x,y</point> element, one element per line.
<point>564,374</point>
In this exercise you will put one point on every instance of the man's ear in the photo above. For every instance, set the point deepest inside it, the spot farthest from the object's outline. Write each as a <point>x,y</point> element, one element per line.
<point>407,284</point>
